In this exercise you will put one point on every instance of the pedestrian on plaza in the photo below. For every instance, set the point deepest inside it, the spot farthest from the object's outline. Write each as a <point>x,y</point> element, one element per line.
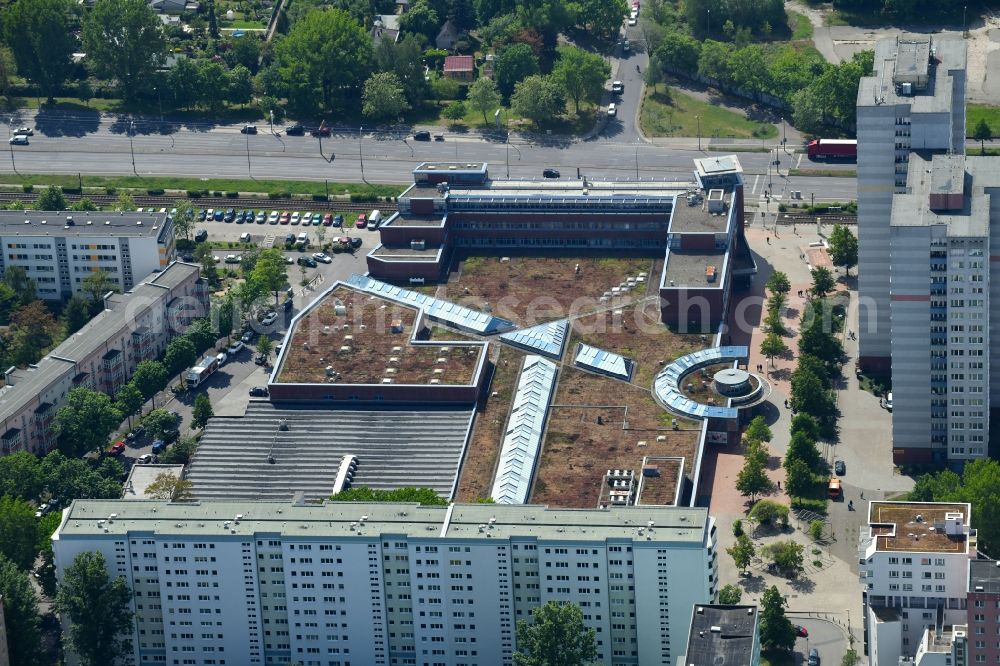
<point>768,240</point>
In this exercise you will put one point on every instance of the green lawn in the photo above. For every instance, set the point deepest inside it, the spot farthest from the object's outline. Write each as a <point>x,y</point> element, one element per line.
<point>674,113</point>
<point>976,112</point>
<point>215,184</point>
<point>800,26</point>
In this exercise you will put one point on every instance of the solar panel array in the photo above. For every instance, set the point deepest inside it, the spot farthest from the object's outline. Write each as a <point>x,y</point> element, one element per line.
<point>395,448</point>
<point>666,385</point>
<point>546,339</point>
<point>604,362</point>
<point>435,308</point>
<point>524,431</point>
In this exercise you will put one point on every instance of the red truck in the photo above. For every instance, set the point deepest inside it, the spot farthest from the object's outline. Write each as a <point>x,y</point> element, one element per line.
<point>833,148</point>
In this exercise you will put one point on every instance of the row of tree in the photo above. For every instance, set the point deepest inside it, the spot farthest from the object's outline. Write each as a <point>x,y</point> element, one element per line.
<point>979,485</point>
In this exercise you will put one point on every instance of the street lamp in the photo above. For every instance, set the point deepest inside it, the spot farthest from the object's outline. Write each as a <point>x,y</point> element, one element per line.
<point>361,152</point>
<point>249,171</point>
<point>10,125</point>
<point>131,147</point>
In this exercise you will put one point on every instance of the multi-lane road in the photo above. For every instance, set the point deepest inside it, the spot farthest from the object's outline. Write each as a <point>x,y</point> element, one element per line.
<point>111,145</point>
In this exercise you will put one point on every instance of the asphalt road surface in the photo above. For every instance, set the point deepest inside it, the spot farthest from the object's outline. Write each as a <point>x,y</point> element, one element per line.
<point>826,637</point>
<point>111,145</point>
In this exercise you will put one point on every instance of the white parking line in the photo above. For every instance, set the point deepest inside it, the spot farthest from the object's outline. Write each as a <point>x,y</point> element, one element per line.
<point>755,179</point>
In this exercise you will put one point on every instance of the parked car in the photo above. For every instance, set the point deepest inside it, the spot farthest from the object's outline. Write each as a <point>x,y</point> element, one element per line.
<point>356,242</point>
<point>201,215</point>
<point>550,173</point>
<point>249,129</point>
<point>258,392</point>
<point>269,318</point>
<point>617,87</point>
<point>233,259</point>
<point>813,657</point>
<point>840,468</point>
<point>327,220</point>
<point>285,217</point>
<point>289,260</point>
<point>236,347</point>
<point>317,219</point>
<point>338,220</point>
<point>136,434</point>
<point>25,131</point>
<point>42,510</point>
<point>888,401</point>
<point>259,359</point>
<point>612,109</point>
<point>287,305</point>
<point>145,459</point>
<point>261,217</point>
<point>159,446</point>
<point>245,237</point>
<point>273,217</point>
<point>295,217</point>
<point>307,261</point>
<point>626,46</point>
<point>117,448</point>
<point>200,236</point>
<point>246,337</point>
<point>361,222</point>
<point>632,20</point>
<point>319,256</point>
<point>422,135</point>
<point>19,140</point>
<point>222,357</point>
<point>210,214</point>
<point>295,130</point>
<point>801,631</point>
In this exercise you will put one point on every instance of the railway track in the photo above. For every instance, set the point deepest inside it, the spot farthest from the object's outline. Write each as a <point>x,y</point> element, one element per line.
<point>144,201</point>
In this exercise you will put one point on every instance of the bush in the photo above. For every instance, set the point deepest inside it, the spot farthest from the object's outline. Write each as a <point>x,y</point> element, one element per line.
<point>320,197</point>
<point>72,190</point>
<point>233,195</point>
<point>155,191</point>
<point>737,528</point>
<point>279,195</point>
<point>782,208</point>
<point>216,193</point>
<point>28,189</point>
<point>111,191</point>
<point>766,511</point>
<point>816,530</point>
<point>363,197</point>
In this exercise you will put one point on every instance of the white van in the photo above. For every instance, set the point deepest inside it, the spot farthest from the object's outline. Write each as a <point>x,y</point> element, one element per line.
<point>374,219</point>
<point>302,238</point>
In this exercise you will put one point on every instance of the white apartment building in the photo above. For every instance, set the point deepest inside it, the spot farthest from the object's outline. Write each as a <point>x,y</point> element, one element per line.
<point>942,238</point>
<point>60,248</point>
<point>135,326</point>
<point>913,560</point>
<point>914,100</point>
<point>339,584</point>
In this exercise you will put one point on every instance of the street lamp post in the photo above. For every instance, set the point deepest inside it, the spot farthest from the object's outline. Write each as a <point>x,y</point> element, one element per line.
<point>361,152</point>
<point>10,125</point>
<point>249,170</point>
<point>131,147</point>
<point>965,26</point>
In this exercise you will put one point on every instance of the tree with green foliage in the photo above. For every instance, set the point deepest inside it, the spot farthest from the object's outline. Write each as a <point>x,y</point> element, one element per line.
<point>18,532</point>
<point>21,476</point>
<point>982,133</point>
<point>74,478</point>
<point>424,496</point>
<point>150,377</point>
<point>816,335</point>
<point>462,14</point>
<point>213,20</point>
<point>742,552</point>
<point>778,283</point>
<point>244,51</point>
<point>512,65</point>
<point>124,42</point>
<point>421,19</point>
<point>21,619</point>
<point>539,99</point>
<point>383,97</point>
<point>75,315</point>
<point>265,346</point>
<point>454,111</point>
<point>786,555</point>
<point>823,281</point>
<point>776,631</point>
<point>730,595</point>
<point>582,74</point>
<point>602,17</point>
<point>326,57</point>
<point>806,424</point>
<point>40,36</point>
<point>850,658</point>
<point>51,198</point>
<point>767,512</point>
<point>23,286</point>
<point>271,272</point>
<point>772,345</point>
<point>84,422</point>
<point>757,430</point>
<point>810,396</point>
<point>816,528</point>
<point>405,60</point>
<point>799,478</point>
<point>179,354</point>
<point>125,202</point>
<point>97,285</point>
<point>204,257</point>
<point>8,301</point>
<point>201,334</point>
<point>843,247</point>
<point>99,609</point>
<point>202,411</point>
<point>484,97</point>
<point>183,219</point>
<point>180,452</point>
<point>83,205</point>
<point>555,636</point>
<point>184,83</point>
<point>129,401</point>
<point>167,486</point>
<point>752,479</point>
<point>161,424</point>
<point>679,53</point>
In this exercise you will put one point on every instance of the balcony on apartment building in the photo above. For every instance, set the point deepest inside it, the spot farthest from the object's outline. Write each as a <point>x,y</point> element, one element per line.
<point>113,370</point>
